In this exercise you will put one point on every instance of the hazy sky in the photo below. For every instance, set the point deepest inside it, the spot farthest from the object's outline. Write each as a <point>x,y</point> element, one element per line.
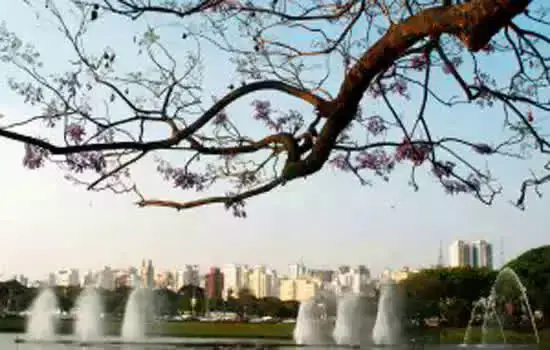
<point>326,220</point>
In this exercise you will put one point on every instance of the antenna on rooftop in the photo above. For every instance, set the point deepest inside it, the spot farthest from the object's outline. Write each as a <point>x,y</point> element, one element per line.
<point>440,257</point>
<point>501,251</point>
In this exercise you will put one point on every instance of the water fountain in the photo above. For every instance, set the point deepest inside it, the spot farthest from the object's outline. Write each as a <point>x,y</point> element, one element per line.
<point>89,308</point>
<point>490,307</point>
<point>387,327</point>
<point>351,321</point>
<point>42,319</point>
<point>135,315</point>
<point>478,305</point>
<point>313,327</point>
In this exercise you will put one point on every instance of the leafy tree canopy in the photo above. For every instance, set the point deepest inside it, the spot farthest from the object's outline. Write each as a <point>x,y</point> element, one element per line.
<point>533,268</point>
<point>370,85</point>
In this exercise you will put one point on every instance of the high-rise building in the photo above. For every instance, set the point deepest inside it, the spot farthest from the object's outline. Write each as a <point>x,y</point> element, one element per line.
<point>165,279</point>
<point>348,279</point>
<point>88,279</point>
<point>326,276</point>
<point>189,275</point>
<point>273,283</point>
<point>179,276</point>
<point>263,282</point>
<point>402,273</point>
<point>475,254</point>
<point>296,270</point>
<point>245,278</point>
<point>482,254</point>
<point>459,254</point>
<point>67,278</point>
<point>231,280</point>
<point>106,279</point>
<point>147,274</point>
<point>301,289</point>
<point>214,283</point>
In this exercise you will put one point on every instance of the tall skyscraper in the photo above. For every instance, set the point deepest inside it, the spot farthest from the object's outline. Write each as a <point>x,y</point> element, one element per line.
<point>459,254</point>
<point>150,274</point>
<point>214,283</point>
<point>296,270</point>
<point>231,280</point>
<point>147,274</point>
<point>475,254</point>
<point>482,254</point>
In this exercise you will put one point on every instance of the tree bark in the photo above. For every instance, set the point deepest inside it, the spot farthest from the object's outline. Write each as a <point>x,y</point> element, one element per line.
<point>473,23</point>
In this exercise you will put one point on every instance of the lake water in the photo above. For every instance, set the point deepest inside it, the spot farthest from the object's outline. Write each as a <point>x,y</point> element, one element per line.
<point>7,341</point>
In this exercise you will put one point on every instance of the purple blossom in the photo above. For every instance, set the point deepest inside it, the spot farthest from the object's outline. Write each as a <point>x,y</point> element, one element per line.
<point>375,125</point>
<point>187,180</point>
<point>418,62</point>
<point>236,206</point>
<point>181,177</point>
<point>377,160</point>
<point>340,162</point>
<point>79,162</point>
<point>226,5</point>
<point>75,132</point>
<point>96,161</point>
<point>417,153</point>
<point>34,156</point>
<point>262,110</point>
<point>400,87</point>
<point>375,90</point>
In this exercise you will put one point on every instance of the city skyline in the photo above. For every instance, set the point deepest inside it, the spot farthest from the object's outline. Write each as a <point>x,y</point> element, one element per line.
<point>287,270</point>
<point>299,283</point>
<point>47,223</point>
<point>291,269</point>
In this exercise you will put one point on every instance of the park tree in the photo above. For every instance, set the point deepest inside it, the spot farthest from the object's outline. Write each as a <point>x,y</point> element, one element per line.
<point>449,293</point>
<point>533,270</point>
<point>370,79</point>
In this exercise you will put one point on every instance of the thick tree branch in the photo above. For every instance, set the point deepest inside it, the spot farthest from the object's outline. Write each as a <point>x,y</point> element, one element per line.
<point>474,23</point>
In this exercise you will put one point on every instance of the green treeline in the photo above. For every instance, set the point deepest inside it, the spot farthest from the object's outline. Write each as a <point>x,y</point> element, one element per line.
<point>16,298</point>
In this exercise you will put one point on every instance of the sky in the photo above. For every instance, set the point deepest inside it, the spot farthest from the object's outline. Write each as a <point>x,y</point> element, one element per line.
<point>326,220</point>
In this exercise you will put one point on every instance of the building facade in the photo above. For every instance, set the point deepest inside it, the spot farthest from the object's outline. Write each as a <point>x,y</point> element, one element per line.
<point>474,254</point>
<point>214,283</point>
<point>147,274</point>
<point>67,278</point>
<point>300,289</point>
<point>232,278</point>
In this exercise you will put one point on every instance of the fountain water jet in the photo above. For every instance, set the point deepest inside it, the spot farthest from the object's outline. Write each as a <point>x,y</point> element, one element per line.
<point>490,307</point>
<point>312,324</point>
<point>387,327</point>
<point>42,319</point>
<point>88,324</point>
<point>351,320</point>
<point>136,315</point>
<point>478,305</point>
